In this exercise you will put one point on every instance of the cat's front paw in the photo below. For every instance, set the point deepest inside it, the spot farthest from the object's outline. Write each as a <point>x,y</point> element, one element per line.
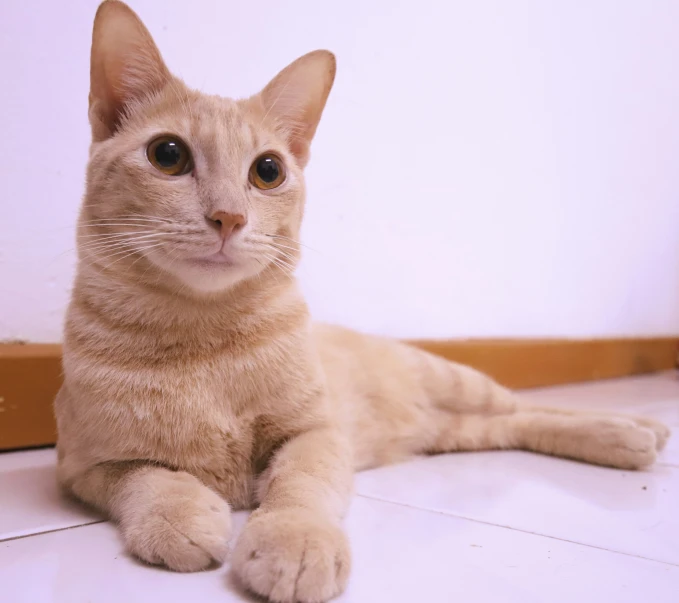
<point>176,521</point>
<point>292,556</point>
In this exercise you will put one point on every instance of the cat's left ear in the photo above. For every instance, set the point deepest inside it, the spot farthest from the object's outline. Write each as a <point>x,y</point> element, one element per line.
<point>294,100</point>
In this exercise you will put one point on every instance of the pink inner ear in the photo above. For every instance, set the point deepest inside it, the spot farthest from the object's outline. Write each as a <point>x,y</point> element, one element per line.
<point>294,100</point>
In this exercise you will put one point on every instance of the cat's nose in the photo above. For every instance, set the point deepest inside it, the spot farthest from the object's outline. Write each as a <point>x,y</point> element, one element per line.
<point>227,223</point>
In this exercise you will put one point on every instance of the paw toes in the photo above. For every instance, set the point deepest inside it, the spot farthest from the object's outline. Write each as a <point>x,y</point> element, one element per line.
<point>638,448</point>
<point>288,558</point>
<point>187,528</point>
<point>661,431</point>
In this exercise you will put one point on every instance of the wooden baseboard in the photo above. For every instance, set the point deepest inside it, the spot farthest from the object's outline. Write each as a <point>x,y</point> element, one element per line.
<point>526,363</point>
<point>30,374</point>
<point>30,377</point>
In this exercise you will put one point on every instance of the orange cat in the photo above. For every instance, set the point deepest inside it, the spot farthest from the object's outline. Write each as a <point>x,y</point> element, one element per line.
<point>194,379</point>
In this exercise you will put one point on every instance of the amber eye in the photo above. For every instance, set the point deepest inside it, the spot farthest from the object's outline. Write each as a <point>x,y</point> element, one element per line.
<point>267,172</point>
<point>169,155</point>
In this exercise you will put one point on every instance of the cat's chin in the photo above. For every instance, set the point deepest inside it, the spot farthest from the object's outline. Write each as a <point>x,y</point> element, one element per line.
<point>209,274</point>
<point>212,277</point>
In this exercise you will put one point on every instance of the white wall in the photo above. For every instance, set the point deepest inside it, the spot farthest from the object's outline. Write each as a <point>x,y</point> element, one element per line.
<point>485,168</point>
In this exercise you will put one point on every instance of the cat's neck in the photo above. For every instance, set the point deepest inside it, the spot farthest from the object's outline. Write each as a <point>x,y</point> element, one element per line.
<point>150,312</point>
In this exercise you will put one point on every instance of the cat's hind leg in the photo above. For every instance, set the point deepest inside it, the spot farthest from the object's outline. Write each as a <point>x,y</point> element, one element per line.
<point>661,431</point>
<point>614,441</point>
<point>469,411</point>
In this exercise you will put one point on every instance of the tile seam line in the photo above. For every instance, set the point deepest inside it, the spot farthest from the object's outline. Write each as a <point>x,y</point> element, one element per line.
<point>399,504</point>
<point>499,525</point>
<point>41,533</point>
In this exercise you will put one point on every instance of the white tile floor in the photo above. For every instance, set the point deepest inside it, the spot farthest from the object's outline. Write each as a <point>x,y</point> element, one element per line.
<point>494,526</point>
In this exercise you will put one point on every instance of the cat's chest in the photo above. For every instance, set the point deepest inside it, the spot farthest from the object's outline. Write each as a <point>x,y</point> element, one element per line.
<point>219,417</point>
<point>200,408</point>
<point>213,420</point>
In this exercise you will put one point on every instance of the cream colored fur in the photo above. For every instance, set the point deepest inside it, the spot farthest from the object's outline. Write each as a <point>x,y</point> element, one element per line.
<point>192,387</point>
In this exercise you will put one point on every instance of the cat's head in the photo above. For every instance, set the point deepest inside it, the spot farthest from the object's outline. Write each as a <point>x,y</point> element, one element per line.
<point>203,190</point>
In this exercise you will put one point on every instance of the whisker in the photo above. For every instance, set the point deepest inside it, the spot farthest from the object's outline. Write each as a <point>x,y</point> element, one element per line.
<point>284,260</point>
<point>277,236</point>
<point>141,255</point>
<point>136,250</point>
<point>174,254</point>
<point>127,224</point>
<point>125,248</point>
<point>122,246</point>
<point>285,268</point>
<point>285,254</point>
<point>133,226</point>
<point>259,273</point>
<point>172,231</point>
<point>113,245</point>
<point>103,237</point>
<point>121,235</point>
<point>272,263</point>
<point>281,246</point>
<point>130,218</point>
<point>93,245</point>
<point>117,221</point>
<point>294,241</point>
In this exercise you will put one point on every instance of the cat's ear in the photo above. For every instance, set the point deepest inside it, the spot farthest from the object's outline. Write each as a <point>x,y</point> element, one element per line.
<point>125,66</point>
<point>294,100</point>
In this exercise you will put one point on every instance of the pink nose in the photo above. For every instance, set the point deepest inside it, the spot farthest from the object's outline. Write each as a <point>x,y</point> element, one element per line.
<point>228,223</point>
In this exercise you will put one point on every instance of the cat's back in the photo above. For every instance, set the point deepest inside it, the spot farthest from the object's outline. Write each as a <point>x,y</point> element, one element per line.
<point>378,390</point>
<point>343,349</point>
<point>367,368</point>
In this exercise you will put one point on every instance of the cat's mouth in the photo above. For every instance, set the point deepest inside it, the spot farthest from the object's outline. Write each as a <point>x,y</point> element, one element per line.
<point>214,260</point>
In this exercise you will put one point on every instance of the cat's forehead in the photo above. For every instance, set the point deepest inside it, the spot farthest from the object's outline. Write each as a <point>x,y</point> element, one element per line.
<point>208,120</point>
<point>227,118</point>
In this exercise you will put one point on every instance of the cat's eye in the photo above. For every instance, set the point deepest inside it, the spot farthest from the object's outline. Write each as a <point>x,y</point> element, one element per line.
<point>267,172</point>
<point>169,155</point>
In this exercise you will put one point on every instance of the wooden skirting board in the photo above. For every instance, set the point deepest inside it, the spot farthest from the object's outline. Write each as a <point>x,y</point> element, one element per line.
<point>30,374</point>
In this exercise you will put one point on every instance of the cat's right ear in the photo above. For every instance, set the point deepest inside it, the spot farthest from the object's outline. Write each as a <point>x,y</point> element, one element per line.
<point>125,66</point>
